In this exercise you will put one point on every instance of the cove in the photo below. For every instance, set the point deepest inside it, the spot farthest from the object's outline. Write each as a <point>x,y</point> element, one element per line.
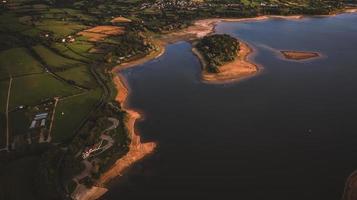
<point>287,133</point>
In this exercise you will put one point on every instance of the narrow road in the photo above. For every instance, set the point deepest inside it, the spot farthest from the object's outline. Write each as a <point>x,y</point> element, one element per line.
<point>49,137</point>
<point>7,115</point>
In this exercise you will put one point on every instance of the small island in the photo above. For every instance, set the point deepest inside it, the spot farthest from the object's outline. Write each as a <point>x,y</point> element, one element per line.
<point>223,58</point>
<point>299,55</point>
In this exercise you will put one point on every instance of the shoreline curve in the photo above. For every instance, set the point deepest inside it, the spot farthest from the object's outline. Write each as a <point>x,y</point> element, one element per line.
<point>140,150</point>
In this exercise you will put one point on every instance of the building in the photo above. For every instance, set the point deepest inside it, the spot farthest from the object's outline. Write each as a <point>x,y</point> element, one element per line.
<point>33,124</point>
<point>41,116</point>
<point>43,122</point>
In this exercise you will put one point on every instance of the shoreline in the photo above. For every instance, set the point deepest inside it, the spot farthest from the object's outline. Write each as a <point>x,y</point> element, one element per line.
<point>300,55</point>
<point>159,51</point>
<point>138,150</point>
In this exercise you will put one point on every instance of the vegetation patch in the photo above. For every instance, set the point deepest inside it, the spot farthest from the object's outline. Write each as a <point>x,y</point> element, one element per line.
<point>79,75</point>
<point>71,112</point>
<point>53,59</point>
<point>32,89</point>
<point>59,28</point>
<point>217,50</point>
<point>18,61</point>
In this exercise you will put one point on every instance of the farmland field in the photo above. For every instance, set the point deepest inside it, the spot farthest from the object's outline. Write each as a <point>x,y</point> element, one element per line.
<point>71,111</point>
<point>54,60</point>
<point>80,75</point>
<point>18,61</point>
<point>30,90</point>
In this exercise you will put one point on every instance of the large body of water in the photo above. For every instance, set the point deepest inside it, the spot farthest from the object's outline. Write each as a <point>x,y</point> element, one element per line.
<point>289,133</point>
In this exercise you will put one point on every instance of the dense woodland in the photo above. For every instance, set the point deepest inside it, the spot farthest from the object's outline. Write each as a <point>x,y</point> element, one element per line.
<point>217,50</point>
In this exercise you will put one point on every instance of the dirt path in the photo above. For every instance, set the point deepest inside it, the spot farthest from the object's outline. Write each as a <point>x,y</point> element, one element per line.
<point>49,137</point>
<point>7,115</point>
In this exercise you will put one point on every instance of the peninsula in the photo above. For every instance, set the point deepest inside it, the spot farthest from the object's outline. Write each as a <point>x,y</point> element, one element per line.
<point>223,58</point>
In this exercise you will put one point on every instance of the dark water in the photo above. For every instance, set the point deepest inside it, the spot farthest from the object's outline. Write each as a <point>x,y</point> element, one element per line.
<point>250,140</point>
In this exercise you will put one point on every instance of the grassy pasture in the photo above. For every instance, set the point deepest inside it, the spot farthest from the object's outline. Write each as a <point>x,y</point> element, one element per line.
<point>9,22</point>
<point>80,75</point>
<point>59,28</point>
<point>18,61</point>
<point>4,85</point>
<point>30,90</point>
<point>75,109</point>
<point>53,59</point>
<point>77,50</point>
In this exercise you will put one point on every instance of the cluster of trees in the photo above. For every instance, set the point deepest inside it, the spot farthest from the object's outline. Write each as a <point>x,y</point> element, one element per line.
<point>217,50</point>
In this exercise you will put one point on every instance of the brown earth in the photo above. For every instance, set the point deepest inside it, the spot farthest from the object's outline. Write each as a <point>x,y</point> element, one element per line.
<point>299,55</point>
<point>101,32</point>
<point>120,20</point>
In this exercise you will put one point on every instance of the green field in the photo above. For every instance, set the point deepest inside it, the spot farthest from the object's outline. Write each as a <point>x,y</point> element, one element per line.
<point>10,22</point>
<point>4,85</point>
<point>74,110</point>
<point>60,28</point>
<point>77,50</point>
<point>80,75</point>
<point>54,60</point>
<point>18,61</point>
<point>32,89</point>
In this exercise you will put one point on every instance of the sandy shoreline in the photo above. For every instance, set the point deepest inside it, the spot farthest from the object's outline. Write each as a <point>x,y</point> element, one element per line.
<point>137,149</point>
<point>299,55</point>
<point>199,29</point>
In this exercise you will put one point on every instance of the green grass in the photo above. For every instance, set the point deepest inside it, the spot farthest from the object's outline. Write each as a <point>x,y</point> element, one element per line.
<point>32,32</point>
<point>75,109</point>
<point>77,50</point>
<point>80,75</point>
<point>81,46</point>
<point>60,28</point>
<point>53,59</point>
<point>18,61</point>
<point>4,85</point>
<point>10,22</point>
<point>30,90</point>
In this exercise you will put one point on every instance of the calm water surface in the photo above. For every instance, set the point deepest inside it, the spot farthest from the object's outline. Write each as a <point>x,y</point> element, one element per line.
<point>250,140</point>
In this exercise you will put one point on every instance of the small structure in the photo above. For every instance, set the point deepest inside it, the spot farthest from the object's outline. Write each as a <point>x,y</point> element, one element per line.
<point>33,124</point>
<point>88,151</point>
<point>43,122</point>
<point>41,116</point>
